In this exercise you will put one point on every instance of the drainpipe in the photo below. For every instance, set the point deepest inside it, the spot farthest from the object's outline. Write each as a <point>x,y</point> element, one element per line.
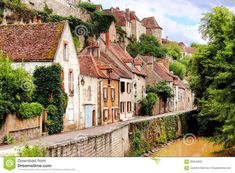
<point>101,112</point>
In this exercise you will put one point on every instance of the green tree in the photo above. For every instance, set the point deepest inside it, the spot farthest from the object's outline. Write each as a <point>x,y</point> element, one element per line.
<point>148,103</point>
<point>16,87</point>
<point>148,45</point>
<point>178,69</point>
<point>163,90</point>
<point>213,76</point>
<point>174,50</point>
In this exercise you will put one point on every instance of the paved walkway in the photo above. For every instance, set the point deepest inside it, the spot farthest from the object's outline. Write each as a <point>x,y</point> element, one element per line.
<point>95,131</point>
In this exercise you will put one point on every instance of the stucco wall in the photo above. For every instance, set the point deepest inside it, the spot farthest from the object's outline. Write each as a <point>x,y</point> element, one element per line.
<point>126,97</point>
<point>72,63</point>
<point>88,95</point>
<point>21,129</point>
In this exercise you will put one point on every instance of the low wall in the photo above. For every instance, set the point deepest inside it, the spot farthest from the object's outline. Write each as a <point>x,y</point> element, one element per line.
<point>21,129</point>
<point>113,144</point>
<point>132,139</point>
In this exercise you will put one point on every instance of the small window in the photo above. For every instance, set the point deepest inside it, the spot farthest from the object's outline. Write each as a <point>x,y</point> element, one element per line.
<point>71,83</point>
<point>129,107</point>
<point>106,114</point>
<point>113,94</point>
<point>66,51</point>
<point>89,93</point>
<point>128,88</point>
<point>105,94</point>
<point>122,87</point>
<point>122,107</point>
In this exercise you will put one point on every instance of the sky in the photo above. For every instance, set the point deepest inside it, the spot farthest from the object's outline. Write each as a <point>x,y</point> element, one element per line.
<point>180,19</point>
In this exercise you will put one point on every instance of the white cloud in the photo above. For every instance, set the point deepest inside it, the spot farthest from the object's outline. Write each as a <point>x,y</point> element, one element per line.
<point>161,9</point>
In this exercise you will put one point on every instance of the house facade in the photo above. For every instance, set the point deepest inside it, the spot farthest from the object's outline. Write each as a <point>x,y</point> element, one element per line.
<point>44,44</point>
<point>152,28</point>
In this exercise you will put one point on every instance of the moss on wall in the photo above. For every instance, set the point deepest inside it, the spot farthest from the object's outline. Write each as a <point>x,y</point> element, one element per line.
<point>148,134</point>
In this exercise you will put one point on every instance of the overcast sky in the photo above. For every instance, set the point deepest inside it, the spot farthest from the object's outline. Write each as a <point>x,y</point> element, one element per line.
<point>178,18</point>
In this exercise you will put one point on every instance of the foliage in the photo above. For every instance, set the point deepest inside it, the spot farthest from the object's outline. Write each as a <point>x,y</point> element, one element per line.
<point>34,151</point>
<point>148,45</point>
<point>162,89</point>
<point>178,69</point>
<point>213,75</point>
<point>197,45</point>
<point>48,83</point>
<point>29,110</point>
<point>8,139</point>
<point>87,6</point>
<point>47,9</point>
<point>170,123</point>
<point>16,87</point>
<point>148,103</point>
<point>189,122</point>
<point>174,50</point>
<point>19,9</point>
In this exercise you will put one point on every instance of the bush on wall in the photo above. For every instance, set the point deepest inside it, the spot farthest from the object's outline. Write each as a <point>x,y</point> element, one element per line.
<point>49,92</point>
<point>29,110</point>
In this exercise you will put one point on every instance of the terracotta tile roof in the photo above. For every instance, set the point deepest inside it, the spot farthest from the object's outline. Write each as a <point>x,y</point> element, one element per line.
<point>31,42</point>
<point>131,16</point>
<point>119,15</point>
<point>161,71</point>
<point>150,22</point>
<point>88,66</point>
<point>117,68</point>
<point>190,50</point>
<point>179,83</point>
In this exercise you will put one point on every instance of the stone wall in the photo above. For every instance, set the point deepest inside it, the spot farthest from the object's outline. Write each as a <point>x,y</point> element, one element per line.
<point>60,7</point>
<point>113,144</point>
<point>133,138</point>
<point>21,129</point>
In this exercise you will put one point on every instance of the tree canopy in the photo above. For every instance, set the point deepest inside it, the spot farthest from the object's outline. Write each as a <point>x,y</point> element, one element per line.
<point>148,45</point>
<point>174,50</point>
<point>213,76</point>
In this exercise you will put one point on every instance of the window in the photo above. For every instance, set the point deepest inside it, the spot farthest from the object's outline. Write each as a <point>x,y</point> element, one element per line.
<point>128,106</point>
<point>71,82</point>
<point>66,51</point>
<point>113,94</point>
<point>89,93</point>
<point>105,94</point>
<point>122,107</point>
<point>106,114</point>
<point>128,86</point>
<point>122,87</point>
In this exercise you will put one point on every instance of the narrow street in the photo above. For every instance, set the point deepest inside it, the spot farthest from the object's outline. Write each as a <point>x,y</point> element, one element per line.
<point>85,133</point>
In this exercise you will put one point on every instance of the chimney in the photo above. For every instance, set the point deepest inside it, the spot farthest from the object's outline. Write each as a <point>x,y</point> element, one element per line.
<point>39,20</point>
<point>35,20</point>
<point>107,39</point>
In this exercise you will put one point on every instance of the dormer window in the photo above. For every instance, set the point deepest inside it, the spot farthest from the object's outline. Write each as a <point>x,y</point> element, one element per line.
<point>66,51</point>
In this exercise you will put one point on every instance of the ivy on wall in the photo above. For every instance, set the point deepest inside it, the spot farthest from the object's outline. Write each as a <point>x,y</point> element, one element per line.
<point>49,93</point>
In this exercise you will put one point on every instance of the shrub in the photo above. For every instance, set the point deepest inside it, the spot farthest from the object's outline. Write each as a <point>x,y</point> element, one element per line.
<point>8,139</point>
<point>178,69</point>
<point>147,104</point>
<point>29,110</point>
<point>87,6</point>
<point>34,151</point>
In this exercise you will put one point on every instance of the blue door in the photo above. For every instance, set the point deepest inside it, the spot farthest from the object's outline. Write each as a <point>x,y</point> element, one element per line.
<point>88,116</point>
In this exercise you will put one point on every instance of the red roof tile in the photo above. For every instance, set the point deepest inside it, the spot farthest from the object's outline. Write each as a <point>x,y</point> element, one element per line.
<point>88,66</point>
<point>31,42</point>
<point>190,50</point>
<point>161,71</point>
<point>150,22</point>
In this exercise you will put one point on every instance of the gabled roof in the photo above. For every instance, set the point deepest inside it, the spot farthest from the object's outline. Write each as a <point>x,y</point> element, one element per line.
<point>161,71</point>
<point>150,22</point>
<point>88,66</point>
<point>31,42</point>
<point>119,15</point>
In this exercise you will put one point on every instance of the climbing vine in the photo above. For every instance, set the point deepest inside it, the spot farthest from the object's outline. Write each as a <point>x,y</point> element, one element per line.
<point>49,92</point>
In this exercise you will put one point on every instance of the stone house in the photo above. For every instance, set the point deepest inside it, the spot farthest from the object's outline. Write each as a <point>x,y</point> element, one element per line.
<point>44,44</point>
<point>159,71</point>
<point>152,27</point>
